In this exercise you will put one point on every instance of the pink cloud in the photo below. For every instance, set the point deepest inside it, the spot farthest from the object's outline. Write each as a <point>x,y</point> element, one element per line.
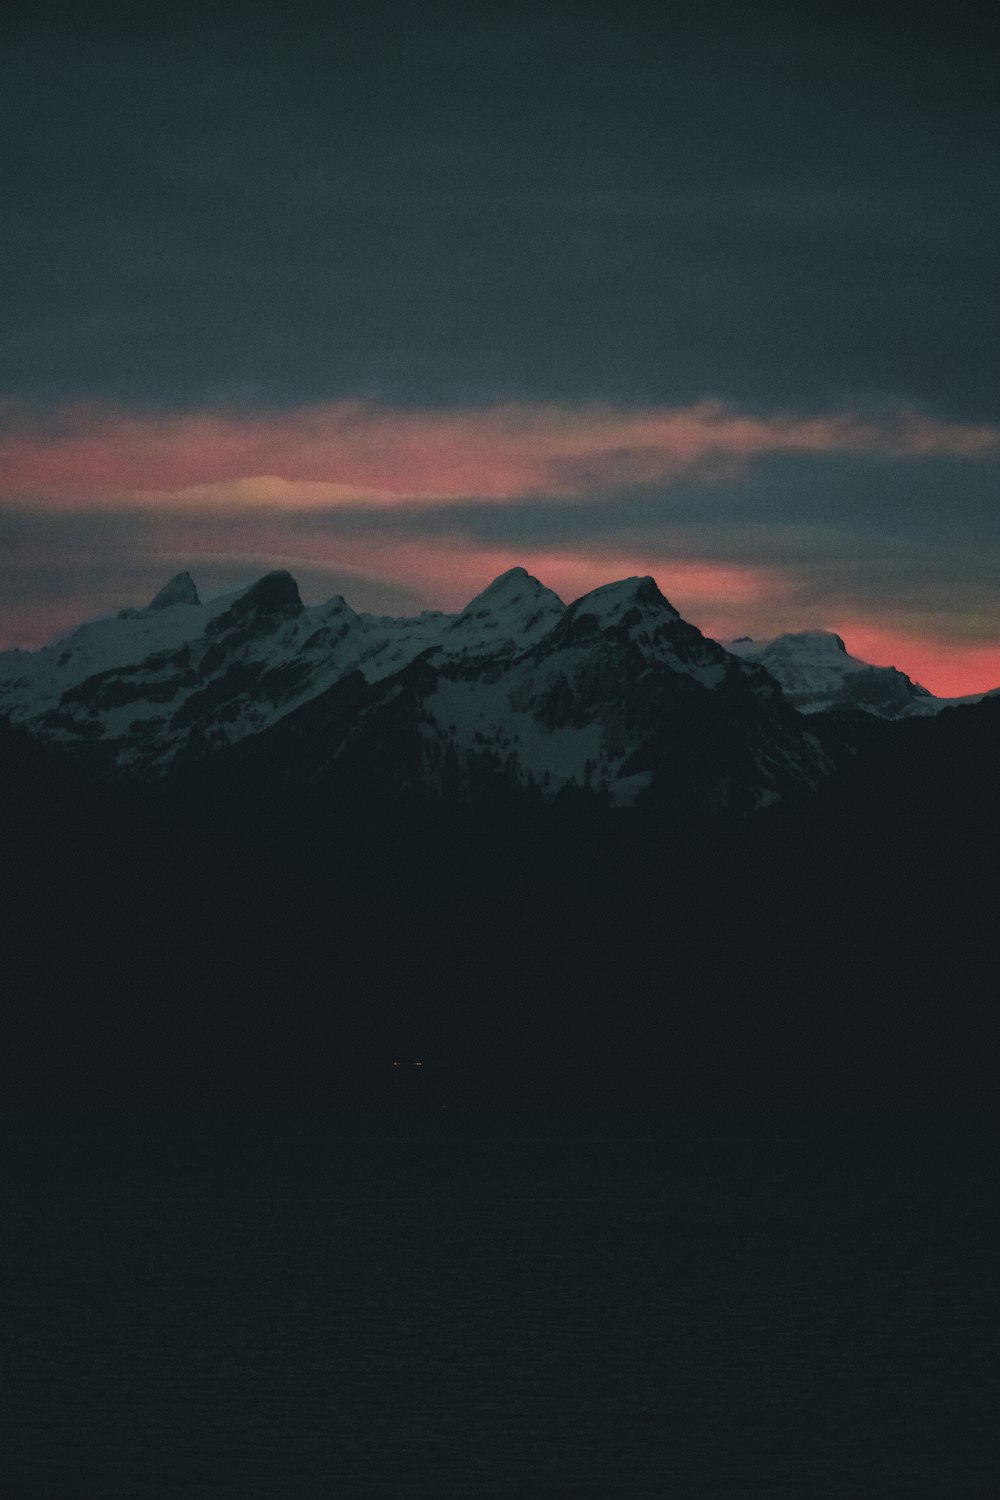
<point>354,452</point>
<point>215,487</point>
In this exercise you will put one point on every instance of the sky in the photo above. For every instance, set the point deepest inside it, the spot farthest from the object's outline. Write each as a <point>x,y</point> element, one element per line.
<point>399,296</point>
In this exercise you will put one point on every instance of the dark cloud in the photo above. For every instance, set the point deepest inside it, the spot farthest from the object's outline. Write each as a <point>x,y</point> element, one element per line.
<point>443,203</point>
<point>937,506</point>
<point>250,206</point>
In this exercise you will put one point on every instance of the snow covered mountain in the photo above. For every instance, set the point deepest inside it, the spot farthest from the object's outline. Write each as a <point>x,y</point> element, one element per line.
<point>141,682</point>
<point>615,694</point>
<point>818,673</point>
<point>620,698</point>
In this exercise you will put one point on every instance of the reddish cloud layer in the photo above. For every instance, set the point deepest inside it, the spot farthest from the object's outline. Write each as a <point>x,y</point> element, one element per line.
<point>214,490</point>
<point>350,451</point>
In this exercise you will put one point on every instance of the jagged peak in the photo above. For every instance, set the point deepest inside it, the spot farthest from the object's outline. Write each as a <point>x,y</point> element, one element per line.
<point>336,605</point>
<point>275,591</point>
<point>613,600</point>
<point>273,597</point>
<point>511,576</point>
<point>515,586</point>
<point>180,590</point>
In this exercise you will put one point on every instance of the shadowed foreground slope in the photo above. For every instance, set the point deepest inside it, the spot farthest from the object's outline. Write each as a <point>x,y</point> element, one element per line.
<point>260,953</point>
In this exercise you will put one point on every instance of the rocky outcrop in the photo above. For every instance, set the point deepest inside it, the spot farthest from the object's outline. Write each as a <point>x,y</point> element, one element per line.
<point>180,590</point>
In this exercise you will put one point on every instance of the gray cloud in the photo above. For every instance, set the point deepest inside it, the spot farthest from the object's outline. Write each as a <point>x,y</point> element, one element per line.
<point>251,206</point>
<point>864,535</point>
<point>447,204</point>
<point>943,505</point>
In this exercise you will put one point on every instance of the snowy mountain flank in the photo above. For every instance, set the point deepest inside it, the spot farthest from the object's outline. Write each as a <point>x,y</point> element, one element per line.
<point>144,682</point>
<point>615,695</point>
<point>817,673</point>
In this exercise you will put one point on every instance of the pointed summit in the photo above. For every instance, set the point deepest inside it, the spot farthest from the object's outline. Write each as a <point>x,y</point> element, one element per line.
<point>275,593</point>
<point>634,612</point>
<point>260,607</point>
<point>510,578</point>
<point>513,612</point>
<point>515,587</point>
<point>612,602</point>
<point>180,590</point>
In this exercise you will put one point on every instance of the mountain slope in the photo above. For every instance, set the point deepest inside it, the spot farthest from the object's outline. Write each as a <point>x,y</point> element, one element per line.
<point>137,688</point>
<point>621,700</point>
<point>817,673</point>
<point>616,696</point>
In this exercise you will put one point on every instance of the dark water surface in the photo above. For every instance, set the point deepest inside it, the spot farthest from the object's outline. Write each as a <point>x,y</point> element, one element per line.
<point>289,1306</point>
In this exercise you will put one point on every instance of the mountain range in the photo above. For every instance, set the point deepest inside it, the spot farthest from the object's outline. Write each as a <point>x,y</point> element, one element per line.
<point>614,696</point>
<point>259,854</point>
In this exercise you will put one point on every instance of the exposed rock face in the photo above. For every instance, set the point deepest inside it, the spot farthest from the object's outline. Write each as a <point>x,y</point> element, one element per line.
<point>272,598</point>
<point>180,590</point>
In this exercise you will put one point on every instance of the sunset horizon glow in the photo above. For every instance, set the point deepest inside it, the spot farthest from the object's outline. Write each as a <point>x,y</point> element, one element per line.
<point>723,601</point>
<point>325,488</point>
<point>364,452</point>
<point>399,297</point>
